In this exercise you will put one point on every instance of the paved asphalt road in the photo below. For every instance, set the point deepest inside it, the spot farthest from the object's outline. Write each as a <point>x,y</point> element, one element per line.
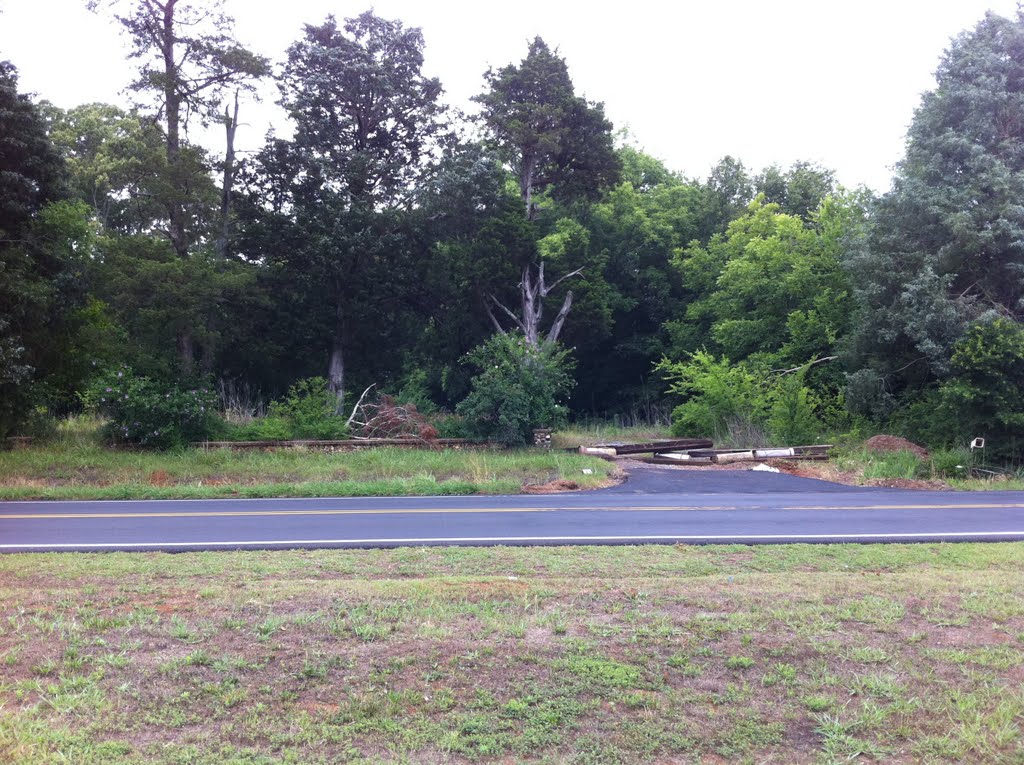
<point>653,506</point>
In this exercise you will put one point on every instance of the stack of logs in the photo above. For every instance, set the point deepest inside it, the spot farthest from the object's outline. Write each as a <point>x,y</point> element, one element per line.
<point>696,451</point>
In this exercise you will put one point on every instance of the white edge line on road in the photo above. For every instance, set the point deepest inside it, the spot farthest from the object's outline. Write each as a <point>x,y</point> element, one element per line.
<point>426,540</point>
<point>356,497</point>
<point>413,497</point>
<point>56,515</point>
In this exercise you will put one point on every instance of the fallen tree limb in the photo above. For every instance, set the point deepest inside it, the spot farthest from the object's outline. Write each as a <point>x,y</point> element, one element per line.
<point>355,409</point>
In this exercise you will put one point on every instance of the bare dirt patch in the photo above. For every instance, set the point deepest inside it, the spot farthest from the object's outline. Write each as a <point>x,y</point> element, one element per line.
<point>551,487</point>
<point>828,471</point>
<point>159,478</point>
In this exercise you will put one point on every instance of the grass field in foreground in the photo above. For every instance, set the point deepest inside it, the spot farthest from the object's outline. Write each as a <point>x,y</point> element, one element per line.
<point>76,470</point>
<point>787,654</point>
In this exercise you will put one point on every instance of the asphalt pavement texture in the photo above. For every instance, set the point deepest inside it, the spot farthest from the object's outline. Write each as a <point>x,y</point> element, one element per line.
<point>644,479</point>
<point>654,505</point>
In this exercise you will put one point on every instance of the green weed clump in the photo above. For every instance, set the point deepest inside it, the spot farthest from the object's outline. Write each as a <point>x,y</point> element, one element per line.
<point>308,411</point>
<point>152,413</point>
<point>901,464</point>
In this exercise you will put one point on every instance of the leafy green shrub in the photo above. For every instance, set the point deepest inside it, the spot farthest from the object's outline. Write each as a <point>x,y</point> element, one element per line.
<point>792,419</point>
<point>416,390</point>
<point>519,387</point>
<point>16,390</point>
<point>866,396</point>
<point>951,463</point>
<point>152,413</point>
<point>985,394</point>
<point>715,393</point>
<point>450,426</point>
<point>309,410</point>
<point>306,412</point>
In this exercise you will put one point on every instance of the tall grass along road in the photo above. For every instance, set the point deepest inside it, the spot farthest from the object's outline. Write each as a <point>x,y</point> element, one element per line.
<point>68,470</point>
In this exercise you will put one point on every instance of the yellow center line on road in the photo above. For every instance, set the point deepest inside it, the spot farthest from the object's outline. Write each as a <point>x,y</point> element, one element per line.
<point>406,511</point>
<point>968,506</point>
<point>447,511</point>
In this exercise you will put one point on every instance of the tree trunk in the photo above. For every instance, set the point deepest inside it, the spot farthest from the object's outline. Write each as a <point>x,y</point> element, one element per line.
<point>172,102</point>
<point>530,305</point>
<point>532,292</point>
<point>206,359</point>
<point>526,185</point>
<point>336,362</point>
<point>186,352</point>
<point>230,125</point>
<point>556,328</point>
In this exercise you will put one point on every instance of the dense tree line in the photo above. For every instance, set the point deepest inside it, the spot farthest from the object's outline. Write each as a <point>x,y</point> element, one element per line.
<point>387,237</point>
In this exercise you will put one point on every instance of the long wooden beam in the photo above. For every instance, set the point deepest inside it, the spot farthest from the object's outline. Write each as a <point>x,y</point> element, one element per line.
<point>651,447</point>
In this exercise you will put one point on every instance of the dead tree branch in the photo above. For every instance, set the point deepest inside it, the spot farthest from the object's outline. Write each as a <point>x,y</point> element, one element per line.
<point>808,364</point>
<point>355,409</point>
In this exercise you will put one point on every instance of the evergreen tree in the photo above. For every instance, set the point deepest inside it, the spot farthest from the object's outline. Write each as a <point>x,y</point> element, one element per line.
<point>45,243</point>
<point>948,244</point>
<point>554,141</point>
<point>367,123</point>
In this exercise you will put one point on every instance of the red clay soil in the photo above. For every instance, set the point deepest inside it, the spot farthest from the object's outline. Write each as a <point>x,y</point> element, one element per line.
<point>894,444</point>
<point>552,487</point>
<point>827,471</point>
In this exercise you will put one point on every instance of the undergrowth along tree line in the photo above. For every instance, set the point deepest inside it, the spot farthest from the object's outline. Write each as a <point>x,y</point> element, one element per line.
<point>506,272</point>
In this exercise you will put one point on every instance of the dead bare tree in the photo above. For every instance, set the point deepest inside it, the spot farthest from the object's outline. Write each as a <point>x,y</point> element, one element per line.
<point>230,127</point>
<point>532,292</point>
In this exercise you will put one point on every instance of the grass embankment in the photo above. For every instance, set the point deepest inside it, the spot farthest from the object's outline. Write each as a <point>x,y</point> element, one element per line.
<point>74,466</point>
<point>795,654</point>
<point>956,469</point>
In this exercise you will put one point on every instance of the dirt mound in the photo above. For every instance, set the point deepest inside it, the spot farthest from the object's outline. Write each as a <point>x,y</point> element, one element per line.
<point>552,487</point>
<point>894,444</point>
<point>828,471</point>
<point>159,478</point>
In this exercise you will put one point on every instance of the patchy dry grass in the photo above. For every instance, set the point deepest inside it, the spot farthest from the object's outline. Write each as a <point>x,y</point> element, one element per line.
<point>77,470</point>
<point>790,654</point>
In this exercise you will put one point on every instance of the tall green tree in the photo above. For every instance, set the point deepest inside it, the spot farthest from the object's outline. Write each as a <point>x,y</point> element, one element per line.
<point>555,141</point>
<point>772,287</point>
<point>45,245</point>
<point>31,171</point>
<point>948,244</point>
<point>116,163</point>
<point>188,60</point>
<point>727,192</point>
<point>475,241</point>
<point>800,190</point>
<point>30,178</point>
<point>367,124</point>
<point>634,232</point>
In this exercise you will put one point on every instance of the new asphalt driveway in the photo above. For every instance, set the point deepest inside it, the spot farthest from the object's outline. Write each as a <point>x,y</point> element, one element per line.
<point>666,506</point>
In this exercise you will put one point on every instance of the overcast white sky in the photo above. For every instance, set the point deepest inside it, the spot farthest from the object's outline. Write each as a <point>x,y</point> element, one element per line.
<point>831,82</point>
